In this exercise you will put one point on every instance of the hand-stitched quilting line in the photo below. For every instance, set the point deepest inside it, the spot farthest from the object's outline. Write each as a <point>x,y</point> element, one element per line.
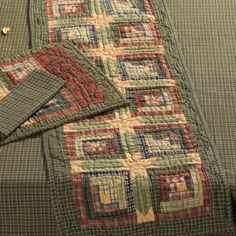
<point>86,90</point>
<point>117,160</point>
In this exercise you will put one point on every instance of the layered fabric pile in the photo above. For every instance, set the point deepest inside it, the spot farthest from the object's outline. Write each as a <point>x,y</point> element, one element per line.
<point>126,147</point>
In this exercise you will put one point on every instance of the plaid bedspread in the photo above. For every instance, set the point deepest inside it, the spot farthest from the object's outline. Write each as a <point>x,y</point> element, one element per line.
<point>126,147</point>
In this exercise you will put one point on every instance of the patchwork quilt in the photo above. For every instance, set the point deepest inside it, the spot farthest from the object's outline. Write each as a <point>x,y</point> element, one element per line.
<point>128,152</point>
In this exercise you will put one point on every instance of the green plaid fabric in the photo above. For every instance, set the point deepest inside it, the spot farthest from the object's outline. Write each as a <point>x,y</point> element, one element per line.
<point>25,99</point>
<point>14,14</point>
<point>25,202</point>
<point>24,193</point>
<point>24,197</point>
<point>207,41</point>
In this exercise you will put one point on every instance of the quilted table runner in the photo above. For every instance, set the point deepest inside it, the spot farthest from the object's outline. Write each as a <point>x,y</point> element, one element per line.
<point>148,168</point>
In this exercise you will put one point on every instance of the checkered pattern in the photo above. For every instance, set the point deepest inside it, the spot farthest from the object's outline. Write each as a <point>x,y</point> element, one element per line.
<point>26,99</point>
<point>24,197</point>
<point>210,61</point>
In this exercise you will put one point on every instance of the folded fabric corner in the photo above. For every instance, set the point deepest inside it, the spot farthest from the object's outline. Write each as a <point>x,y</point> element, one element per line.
<point>25,99</point>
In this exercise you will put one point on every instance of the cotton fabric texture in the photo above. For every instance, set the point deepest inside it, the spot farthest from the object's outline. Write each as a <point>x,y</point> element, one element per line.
<point>123,143</point>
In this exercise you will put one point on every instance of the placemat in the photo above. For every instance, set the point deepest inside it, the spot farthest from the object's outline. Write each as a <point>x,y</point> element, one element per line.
<point>87,91</point>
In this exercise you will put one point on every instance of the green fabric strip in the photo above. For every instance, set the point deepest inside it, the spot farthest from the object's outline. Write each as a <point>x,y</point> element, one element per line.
<point>14,14</point>
<point>25,99</point>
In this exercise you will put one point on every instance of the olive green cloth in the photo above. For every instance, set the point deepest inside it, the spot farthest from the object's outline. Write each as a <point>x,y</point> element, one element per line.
<point>27,98</point>
<point>25,203</point>
<point>14,14</point>
<point>24,192</point>
<point>208,41</point>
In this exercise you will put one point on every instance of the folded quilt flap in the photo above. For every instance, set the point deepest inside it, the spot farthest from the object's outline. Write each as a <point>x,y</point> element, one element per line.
<point>86,91</point>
